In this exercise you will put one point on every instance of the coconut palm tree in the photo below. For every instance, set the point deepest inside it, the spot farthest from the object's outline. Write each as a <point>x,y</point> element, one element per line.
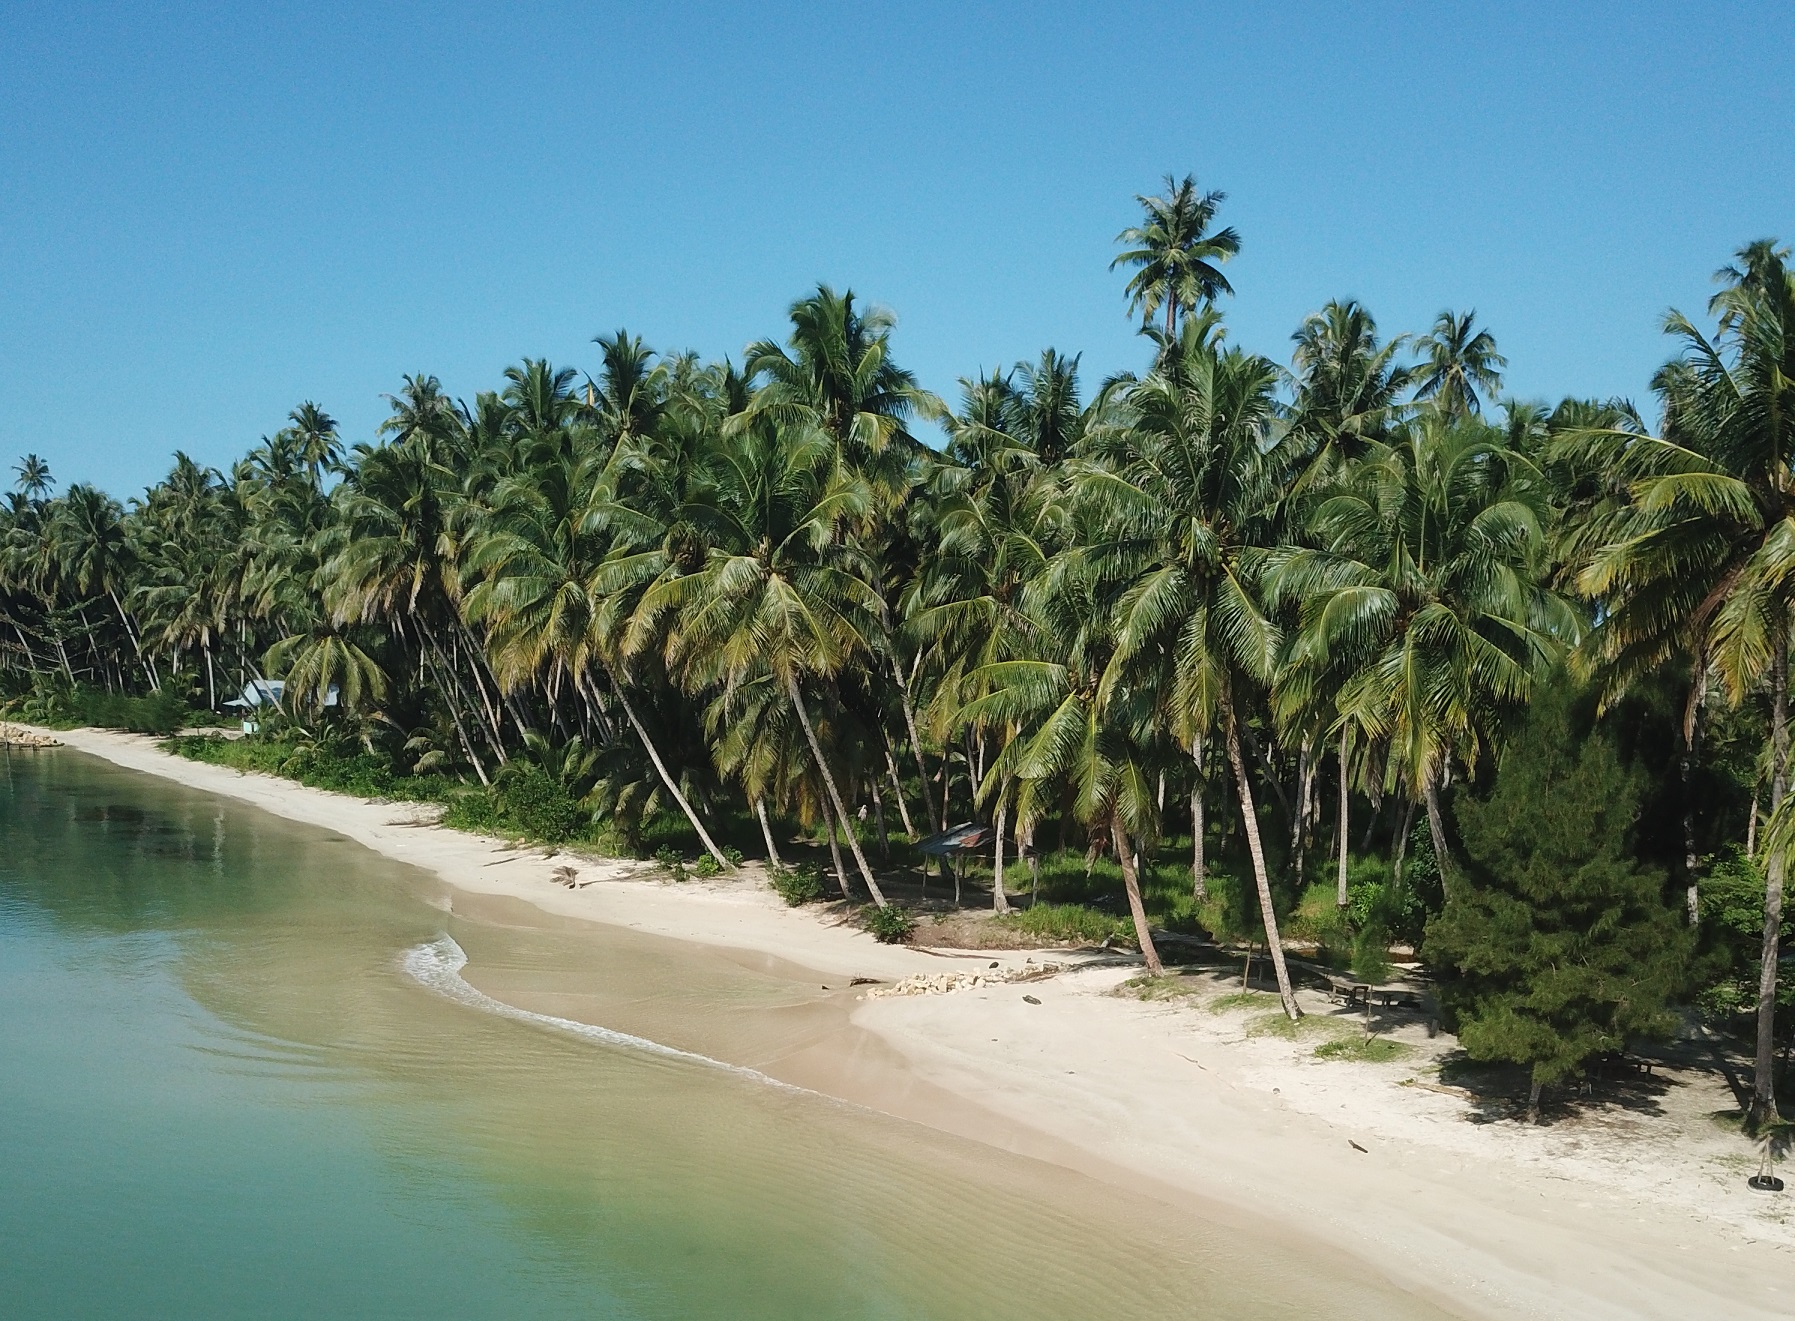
<point>1177,260</point>
<point>315,437</point>
<point>35,481</point>
<point>1181,499</point>
<point>88,534</point>
<point>778,587</point>
<point>1458,364</point>
<point>1422,594</point>
<point>1347,388</point>
<point>538,566</point>
<point>1699,558</point>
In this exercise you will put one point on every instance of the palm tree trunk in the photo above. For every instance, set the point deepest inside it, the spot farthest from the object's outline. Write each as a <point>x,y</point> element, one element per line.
<point>453,697</point>
<point>1340,897</point>
<point>1000,902</point>
<point>922,771</point>
<point>1250,820</point>
<point>1436,828</point>
<point>136,646</point>
<point>1132,883</point>
<point>1692,740</point>
<point>872,782</point>
<point>1299,826</point>
<point>822,765</point>
<point>841,874</point>
<point>1402,839</point>
<point>1199,872</point>
<point>1763,1083</point>
<point>667,779</point>
<point>766,830</point>
<point>897,792</point>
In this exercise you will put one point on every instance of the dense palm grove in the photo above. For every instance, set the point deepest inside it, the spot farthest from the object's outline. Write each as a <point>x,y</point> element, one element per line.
<point>1273,629</point>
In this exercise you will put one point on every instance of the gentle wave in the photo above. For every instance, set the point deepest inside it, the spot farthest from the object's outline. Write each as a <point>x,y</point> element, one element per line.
<point>438,965</point>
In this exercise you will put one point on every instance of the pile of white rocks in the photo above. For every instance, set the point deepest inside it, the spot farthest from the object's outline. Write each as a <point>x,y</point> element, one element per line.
<point>946,983</point>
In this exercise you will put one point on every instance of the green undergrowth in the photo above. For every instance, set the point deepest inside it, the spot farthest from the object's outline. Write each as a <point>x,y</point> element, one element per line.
<point>1069,924</point>
<point>362,774</point>
<point>58,706</point>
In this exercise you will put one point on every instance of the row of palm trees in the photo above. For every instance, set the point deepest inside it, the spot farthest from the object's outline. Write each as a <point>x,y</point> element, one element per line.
<point>1219,580</point>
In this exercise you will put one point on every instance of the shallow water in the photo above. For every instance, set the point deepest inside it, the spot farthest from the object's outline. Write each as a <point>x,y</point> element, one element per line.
<point>241,1076</point>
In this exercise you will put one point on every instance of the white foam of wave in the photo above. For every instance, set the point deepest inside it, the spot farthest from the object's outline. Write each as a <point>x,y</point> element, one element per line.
<point>438,965</point>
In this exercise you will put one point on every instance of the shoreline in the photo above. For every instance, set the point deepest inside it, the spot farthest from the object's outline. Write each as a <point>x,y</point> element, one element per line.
<point>1484,1219</point>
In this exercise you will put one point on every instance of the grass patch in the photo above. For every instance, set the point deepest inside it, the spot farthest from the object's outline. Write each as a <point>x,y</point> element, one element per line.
<point>1281,1025</point>
<point>1240,1000</point>
<point>1071,924</point>
<point>1376,1050</point>
<point>1173,987</point>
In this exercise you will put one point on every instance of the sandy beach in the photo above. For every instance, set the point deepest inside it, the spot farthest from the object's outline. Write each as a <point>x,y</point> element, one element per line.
<point>1616,1213</point>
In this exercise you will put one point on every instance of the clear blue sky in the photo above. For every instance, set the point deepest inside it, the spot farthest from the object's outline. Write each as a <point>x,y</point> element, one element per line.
<point>210,213</point>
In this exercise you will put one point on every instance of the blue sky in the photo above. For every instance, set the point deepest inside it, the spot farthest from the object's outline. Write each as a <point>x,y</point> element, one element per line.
<point>210,213</point>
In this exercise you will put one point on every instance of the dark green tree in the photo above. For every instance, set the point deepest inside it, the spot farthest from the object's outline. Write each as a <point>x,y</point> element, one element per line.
<point>1555,944</point>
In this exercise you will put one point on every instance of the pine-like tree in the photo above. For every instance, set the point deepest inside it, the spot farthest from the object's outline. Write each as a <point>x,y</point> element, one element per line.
<point>1560,944</point>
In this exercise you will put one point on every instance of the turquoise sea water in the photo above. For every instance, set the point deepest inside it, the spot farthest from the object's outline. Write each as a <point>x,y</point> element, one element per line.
<point>222,1094</point>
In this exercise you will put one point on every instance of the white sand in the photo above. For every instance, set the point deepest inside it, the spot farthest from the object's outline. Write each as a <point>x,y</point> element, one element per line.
<point>1614,1216</point>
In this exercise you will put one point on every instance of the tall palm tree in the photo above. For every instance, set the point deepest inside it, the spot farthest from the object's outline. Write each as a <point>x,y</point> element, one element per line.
<point>1699,558</point>
<point>1347,387</point>
<point>778,585</point>
<point>35,481</point>
<point>1177,259</point>
<point>1424,590</point>
<point>540,581</point>
<point>1458,364</point>
<point>836,376</point>
<point>88,533</point>
<point>315,435</point>
<point>1183,500</point>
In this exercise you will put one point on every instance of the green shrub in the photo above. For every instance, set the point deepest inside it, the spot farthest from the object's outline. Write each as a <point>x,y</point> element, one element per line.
<point>889,925</point>
<point>707,866</point>
<point>669,857</point>
<point>798,885</point>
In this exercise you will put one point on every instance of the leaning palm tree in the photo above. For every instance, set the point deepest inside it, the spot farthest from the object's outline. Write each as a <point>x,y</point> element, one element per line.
<point>1177,260</point>
<point>88,533</point>
<point>776,584</point>
<point>1078,732</point>
<point>539,587</point>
